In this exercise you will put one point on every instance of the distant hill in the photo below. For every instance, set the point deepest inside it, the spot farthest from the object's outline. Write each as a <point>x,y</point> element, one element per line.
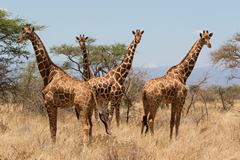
<point>218,76</point>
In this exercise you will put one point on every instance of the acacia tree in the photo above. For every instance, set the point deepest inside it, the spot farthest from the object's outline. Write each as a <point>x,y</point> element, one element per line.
<point>10,51</point>
<point>228,56</point>
<point>30,85</point>
<point>102,58</point>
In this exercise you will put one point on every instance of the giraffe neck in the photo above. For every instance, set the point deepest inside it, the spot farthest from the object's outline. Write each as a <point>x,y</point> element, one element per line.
<point>185,67</point>
<point>125,66</point>
<point>87,74</point>
<point>43,60</point>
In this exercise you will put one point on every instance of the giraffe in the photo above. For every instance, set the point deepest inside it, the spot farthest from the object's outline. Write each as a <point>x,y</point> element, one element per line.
<point>110,86</point>
<point>61,90</point>
<point>87,74</point>
<point>171,88</point>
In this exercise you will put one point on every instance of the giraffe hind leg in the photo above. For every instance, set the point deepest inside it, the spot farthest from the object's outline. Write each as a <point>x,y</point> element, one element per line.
<point>172,121</point>
<point>117,112</point>
<point>178,117</point>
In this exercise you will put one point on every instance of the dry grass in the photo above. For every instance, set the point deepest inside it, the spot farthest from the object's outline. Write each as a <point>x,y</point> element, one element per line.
<point>26,136</point>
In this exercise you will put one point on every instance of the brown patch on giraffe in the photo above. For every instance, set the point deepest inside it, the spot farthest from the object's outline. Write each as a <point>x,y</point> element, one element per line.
<point>106,90</point>
<point>42,53</point>
<point>191,67</point>
<point>130,61</point>
<point>188,73</point>
<point>122,71</point>
<point>100,84</point>
<point>124,65</point>
<point>39,58</point>
<point>111,73</point>
<point>67,95</point>
<point>125,75</point>
<point>117,76</point>
<point>111,81</point>
<point>191,62</point>
<point>104,85</point>
<point>107,76</point>
<point>60,89</point>
<point>125,60</point>
<point>61,96</point>
<point>119,69</point>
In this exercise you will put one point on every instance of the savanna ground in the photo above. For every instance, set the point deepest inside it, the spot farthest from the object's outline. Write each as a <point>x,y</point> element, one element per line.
<point>25,134</point>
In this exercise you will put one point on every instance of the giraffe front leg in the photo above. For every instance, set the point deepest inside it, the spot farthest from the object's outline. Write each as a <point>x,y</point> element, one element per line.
<point>52,115</point>
<point>84,115</point>
<point>117,112</point>
<point>90,122</point>
<point>115,103</point>
<point>96,115</point>
<point>111,111</point>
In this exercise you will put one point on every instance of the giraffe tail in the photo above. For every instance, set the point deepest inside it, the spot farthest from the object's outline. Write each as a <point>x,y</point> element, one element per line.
<point>77,114</point>
<point>105,124</point>
<point>145,122</point>
<point>102,117</point>
<point>145,108</point>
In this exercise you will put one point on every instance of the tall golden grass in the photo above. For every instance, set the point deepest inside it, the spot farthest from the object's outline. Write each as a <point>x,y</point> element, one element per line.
<point>26,135</point>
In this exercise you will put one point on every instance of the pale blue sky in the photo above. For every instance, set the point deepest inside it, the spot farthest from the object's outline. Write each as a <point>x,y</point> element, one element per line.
<point>171,27</point>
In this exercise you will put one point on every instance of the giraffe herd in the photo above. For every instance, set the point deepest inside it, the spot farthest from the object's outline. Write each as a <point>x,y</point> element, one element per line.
<point>94,93</point>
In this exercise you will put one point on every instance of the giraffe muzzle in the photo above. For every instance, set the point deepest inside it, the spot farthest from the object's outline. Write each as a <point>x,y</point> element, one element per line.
<point>209,45</point>
<point>18,40</point>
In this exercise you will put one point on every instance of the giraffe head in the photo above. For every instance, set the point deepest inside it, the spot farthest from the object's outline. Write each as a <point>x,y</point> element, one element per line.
<point>205,38</point>
<point>27,33</point>
<point>82,40</point>
<point>137,35</point>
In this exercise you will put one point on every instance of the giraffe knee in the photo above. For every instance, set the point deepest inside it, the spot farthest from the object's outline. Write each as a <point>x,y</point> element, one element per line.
<point>150,121</point>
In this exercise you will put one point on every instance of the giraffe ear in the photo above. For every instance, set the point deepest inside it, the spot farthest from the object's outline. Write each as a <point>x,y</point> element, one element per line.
<point>133,32</point>
<point>22,28</point>
<point>210,34</point>
<point>33,29</point>
<point>142,32</point>
<point>77,38</point>
<point>200,35</point>
<point>86,38</point>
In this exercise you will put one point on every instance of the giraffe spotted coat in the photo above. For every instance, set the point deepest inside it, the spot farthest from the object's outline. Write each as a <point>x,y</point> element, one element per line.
<point>171,88</point>
<point>60,90</point>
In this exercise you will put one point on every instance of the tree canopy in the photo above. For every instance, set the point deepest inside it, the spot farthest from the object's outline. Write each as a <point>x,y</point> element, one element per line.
<point>228,56</point>
<point>102,58</point>
<point>11,53</point>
